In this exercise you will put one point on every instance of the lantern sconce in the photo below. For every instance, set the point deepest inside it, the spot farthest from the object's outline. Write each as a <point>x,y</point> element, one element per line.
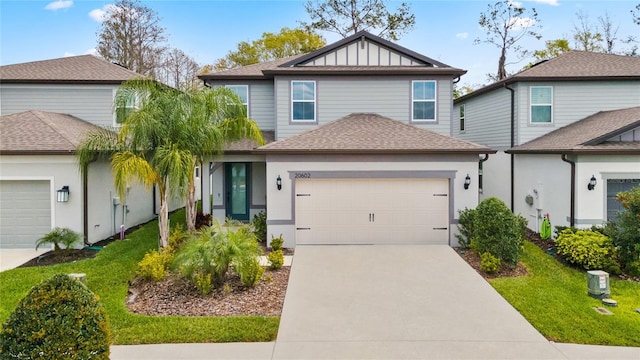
<point>279,182</point>
<point>592,183</point>
<point>63,194</point>
<point>467,182</point>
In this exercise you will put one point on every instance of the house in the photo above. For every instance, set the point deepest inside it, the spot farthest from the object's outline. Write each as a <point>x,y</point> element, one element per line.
<point>359,147</point>
<point>46,108</point>
<point>566,131</point>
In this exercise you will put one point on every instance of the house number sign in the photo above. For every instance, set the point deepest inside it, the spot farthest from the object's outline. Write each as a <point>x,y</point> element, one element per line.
<point>302,175</point>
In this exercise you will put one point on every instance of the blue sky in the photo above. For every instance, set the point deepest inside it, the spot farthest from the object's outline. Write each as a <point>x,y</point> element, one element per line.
<point>32,30</point>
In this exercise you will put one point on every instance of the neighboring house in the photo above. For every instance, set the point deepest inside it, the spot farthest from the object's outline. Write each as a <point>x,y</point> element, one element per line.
<point>46,107</point>
<point>557,125</point>
<point>362,152</point>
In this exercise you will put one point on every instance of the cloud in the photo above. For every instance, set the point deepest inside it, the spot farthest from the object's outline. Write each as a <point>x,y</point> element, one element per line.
<point>548,2</point>
<point>517,4</point>
<point>462,35</point>
<point>97,14</point>
<point>68,54</point>
<point>521,23</point>
<point>60,4</point>
<point>92,51</point>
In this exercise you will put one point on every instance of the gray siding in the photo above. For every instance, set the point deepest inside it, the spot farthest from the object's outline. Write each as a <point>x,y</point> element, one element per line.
<point>367,54</point>
<point>573,101</point>
<point>338,97</point>
<point>92,103</point>
<point>261,101</point>
<point>487,119</point>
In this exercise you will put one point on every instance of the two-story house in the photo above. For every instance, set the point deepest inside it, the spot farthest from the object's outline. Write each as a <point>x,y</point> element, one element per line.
<point>360,149</point>
<point>567,132</point>
<point>46,109</point>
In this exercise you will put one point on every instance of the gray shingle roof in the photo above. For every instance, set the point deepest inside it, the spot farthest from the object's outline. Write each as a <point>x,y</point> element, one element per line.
<point>371,133</point>
<point>41,132</point>
<point>246,145</point>
<point>73,69</point>
<point>588,135</point>
<point>253,71</point>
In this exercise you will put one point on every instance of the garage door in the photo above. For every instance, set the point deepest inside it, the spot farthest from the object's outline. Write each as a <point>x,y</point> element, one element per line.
<point>372,211</point>
<point>25,212</point>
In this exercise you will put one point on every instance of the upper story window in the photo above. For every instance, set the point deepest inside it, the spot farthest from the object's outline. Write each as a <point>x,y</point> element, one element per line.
<point>303,101</point>
<point>243,93</point>
<point>462,124</point>
<point>122,112</point>
<point>541,105</point>
<point>423,101</point>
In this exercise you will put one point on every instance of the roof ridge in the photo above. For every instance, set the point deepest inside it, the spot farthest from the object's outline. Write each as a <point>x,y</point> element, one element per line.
<point>53,125</point>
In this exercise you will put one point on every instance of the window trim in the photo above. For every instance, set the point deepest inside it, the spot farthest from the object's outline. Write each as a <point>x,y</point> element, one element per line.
<point>136,106</point>
<point>229,86</point>
<point>435,102</point>
<point>314,101</point>
<point>531,105</point>
<point>462,118</point>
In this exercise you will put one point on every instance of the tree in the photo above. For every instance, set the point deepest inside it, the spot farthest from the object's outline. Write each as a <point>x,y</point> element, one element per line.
<point>178,69</point>
<point>271,46</point>
<point>347,17</point>
<point>504,26</point>
<point>586,36</point>
<point>131,36</point>
<point>609,32</point>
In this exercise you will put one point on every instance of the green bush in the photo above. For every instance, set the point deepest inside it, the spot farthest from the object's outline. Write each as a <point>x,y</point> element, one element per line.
<point>58,319</point>
<point>154,265</point>
<point>276,243</point>
<point>177,237</point>
<point>625,231</point>
<point>276,259</point>
<point>250,271</point>
<point>59,236</point>
<point>203,283</point>
<point>259,224</point>
<point>489,263</point>
<point>588,249</point>
<point>465,227</point>
<point>498,231</point>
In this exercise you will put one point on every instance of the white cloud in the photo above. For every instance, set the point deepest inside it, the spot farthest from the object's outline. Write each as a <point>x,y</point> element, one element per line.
<point>548,2</point>
<point>462,35</point>
<point>60,4</point>
<point>92,51</point>
<point>97,14</point>
<point>521,23</point>
<point>67,54</point>
<point>517,4</point>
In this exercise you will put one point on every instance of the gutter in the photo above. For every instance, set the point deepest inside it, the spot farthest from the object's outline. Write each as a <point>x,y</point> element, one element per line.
<point>513,140</point>
<point>572,205</point>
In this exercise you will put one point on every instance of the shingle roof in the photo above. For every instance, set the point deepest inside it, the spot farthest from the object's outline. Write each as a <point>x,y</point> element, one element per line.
<point>253,71</point>
<point>73,69</point>
<point>575,66</point>
<point>588,135</point>
<point>371,133</point>
<point>41,132</point>
<point>246,145</point>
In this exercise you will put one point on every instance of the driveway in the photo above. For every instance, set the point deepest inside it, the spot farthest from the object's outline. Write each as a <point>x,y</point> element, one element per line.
<point>393,302</point>
<point>12,258</point>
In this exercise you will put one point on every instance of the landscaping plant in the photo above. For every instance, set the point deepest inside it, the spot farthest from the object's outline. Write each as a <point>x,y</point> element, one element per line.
<point>155,265</point>
<point>59,236</point>
<point>466,218</point>
<point>588,249</point>
<point>259,224</point>
<point>276,243</point>
<point>489,263</point>
<point>276,259</point>
<point>250,271</point>
<point>625,231</point>
<point>58,319</point>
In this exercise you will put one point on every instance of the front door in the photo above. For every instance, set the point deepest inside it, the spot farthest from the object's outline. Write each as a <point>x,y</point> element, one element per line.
<point>237,190</point>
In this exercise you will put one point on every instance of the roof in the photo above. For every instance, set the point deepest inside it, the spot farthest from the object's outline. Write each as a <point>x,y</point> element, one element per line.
<point>371,133</point>
<point>67,70</point>
<point>247,145</point>
<point>295,64</point>
<point>589,135</point>
<point>572,66</point>
<point>40,132</point>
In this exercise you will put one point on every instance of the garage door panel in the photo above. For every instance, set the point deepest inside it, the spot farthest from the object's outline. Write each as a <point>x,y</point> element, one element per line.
<point>25,212</point>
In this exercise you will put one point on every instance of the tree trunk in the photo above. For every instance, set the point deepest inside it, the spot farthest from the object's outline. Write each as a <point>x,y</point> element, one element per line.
<point>163,218</point>
<point>502,72</point>
<point>191,205</point>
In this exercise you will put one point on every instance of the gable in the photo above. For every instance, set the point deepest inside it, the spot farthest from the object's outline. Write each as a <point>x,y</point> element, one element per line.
<point>363,52</point>
<point>632,135</point>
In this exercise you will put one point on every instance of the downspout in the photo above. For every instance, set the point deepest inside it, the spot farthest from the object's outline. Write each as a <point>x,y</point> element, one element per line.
<point>480,182</point>
<point>513,143</point>
<point>85,205</point>
<point>572,205</point>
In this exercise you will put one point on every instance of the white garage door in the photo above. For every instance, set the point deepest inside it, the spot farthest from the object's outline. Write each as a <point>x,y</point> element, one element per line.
<point>372,211</point>
<point>25,212</point>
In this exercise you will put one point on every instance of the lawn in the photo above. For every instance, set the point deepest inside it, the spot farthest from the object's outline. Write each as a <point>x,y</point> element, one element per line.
<point>553,298</point>
<point>108,275</point>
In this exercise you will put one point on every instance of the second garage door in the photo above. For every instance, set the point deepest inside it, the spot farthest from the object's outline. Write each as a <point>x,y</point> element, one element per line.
<point>372,211</point>
<point>25,212</point>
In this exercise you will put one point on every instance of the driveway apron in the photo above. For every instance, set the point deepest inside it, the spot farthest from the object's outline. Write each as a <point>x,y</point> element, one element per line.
<point>398,302</point>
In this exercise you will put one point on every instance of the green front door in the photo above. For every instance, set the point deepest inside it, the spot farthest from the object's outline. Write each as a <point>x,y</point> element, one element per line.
<point>237,190</point>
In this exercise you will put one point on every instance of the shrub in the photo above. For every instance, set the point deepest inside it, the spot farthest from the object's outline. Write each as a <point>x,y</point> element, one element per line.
<point>59,236</point>
<point>154,265</point>
<point>203,283</point>
<point>177,237</point>
<point>465,226</point>
<point>58,319</point>
<point>276,259</point>
<point>625,230</point>
<point>588,249</point>
<point>498,231</point>
<point>250,271</point>
<point>259,224</point>
<point>276,243</point>
<point>202,220</point>
<point>489,263</point>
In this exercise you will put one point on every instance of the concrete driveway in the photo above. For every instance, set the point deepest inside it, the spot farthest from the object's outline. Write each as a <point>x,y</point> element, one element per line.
<point>398,302</point>
<point>12,258</point>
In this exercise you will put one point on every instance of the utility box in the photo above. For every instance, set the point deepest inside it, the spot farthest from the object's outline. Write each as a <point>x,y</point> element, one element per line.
<point>598,284</point>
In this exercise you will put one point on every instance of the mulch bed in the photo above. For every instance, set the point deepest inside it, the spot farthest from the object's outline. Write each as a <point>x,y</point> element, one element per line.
<point>66,255</point>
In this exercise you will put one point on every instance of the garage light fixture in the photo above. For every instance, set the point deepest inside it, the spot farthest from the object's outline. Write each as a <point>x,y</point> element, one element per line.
<point>467,182</point>
<point>592,183</point>
<point>279,182</point>
<point>63,194</point>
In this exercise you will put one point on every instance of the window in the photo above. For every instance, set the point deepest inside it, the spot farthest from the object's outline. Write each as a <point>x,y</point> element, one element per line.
<point>423,104</point>
<point>615,186</point>
<point>462,117</point>
<point>303,101</point>
<point>122,112</point>
<point>243,93</point>
<point>541,105</point>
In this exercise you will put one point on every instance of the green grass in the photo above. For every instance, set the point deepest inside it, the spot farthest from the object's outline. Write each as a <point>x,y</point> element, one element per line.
<point>108,275</point>
<point>553,298</point>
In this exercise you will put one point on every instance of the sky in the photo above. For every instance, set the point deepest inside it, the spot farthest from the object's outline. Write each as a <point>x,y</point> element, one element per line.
<point>32,30</point>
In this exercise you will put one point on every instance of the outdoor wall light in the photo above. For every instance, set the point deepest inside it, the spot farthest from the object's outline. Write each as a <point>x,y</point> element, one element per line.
<point>592,183</point>
<point>279,182</point>
<point>467,182</point>
<point>63,194</point>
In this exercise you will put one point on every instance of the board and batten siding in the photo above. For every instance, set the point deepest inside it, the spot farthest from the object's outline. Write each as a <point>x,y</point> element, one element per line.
<point>487,119</point>
<point>261,101</point>
<point>573,101</point>
<point>359,54</point>
<point>339,97</point>
<point>91,103</point>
